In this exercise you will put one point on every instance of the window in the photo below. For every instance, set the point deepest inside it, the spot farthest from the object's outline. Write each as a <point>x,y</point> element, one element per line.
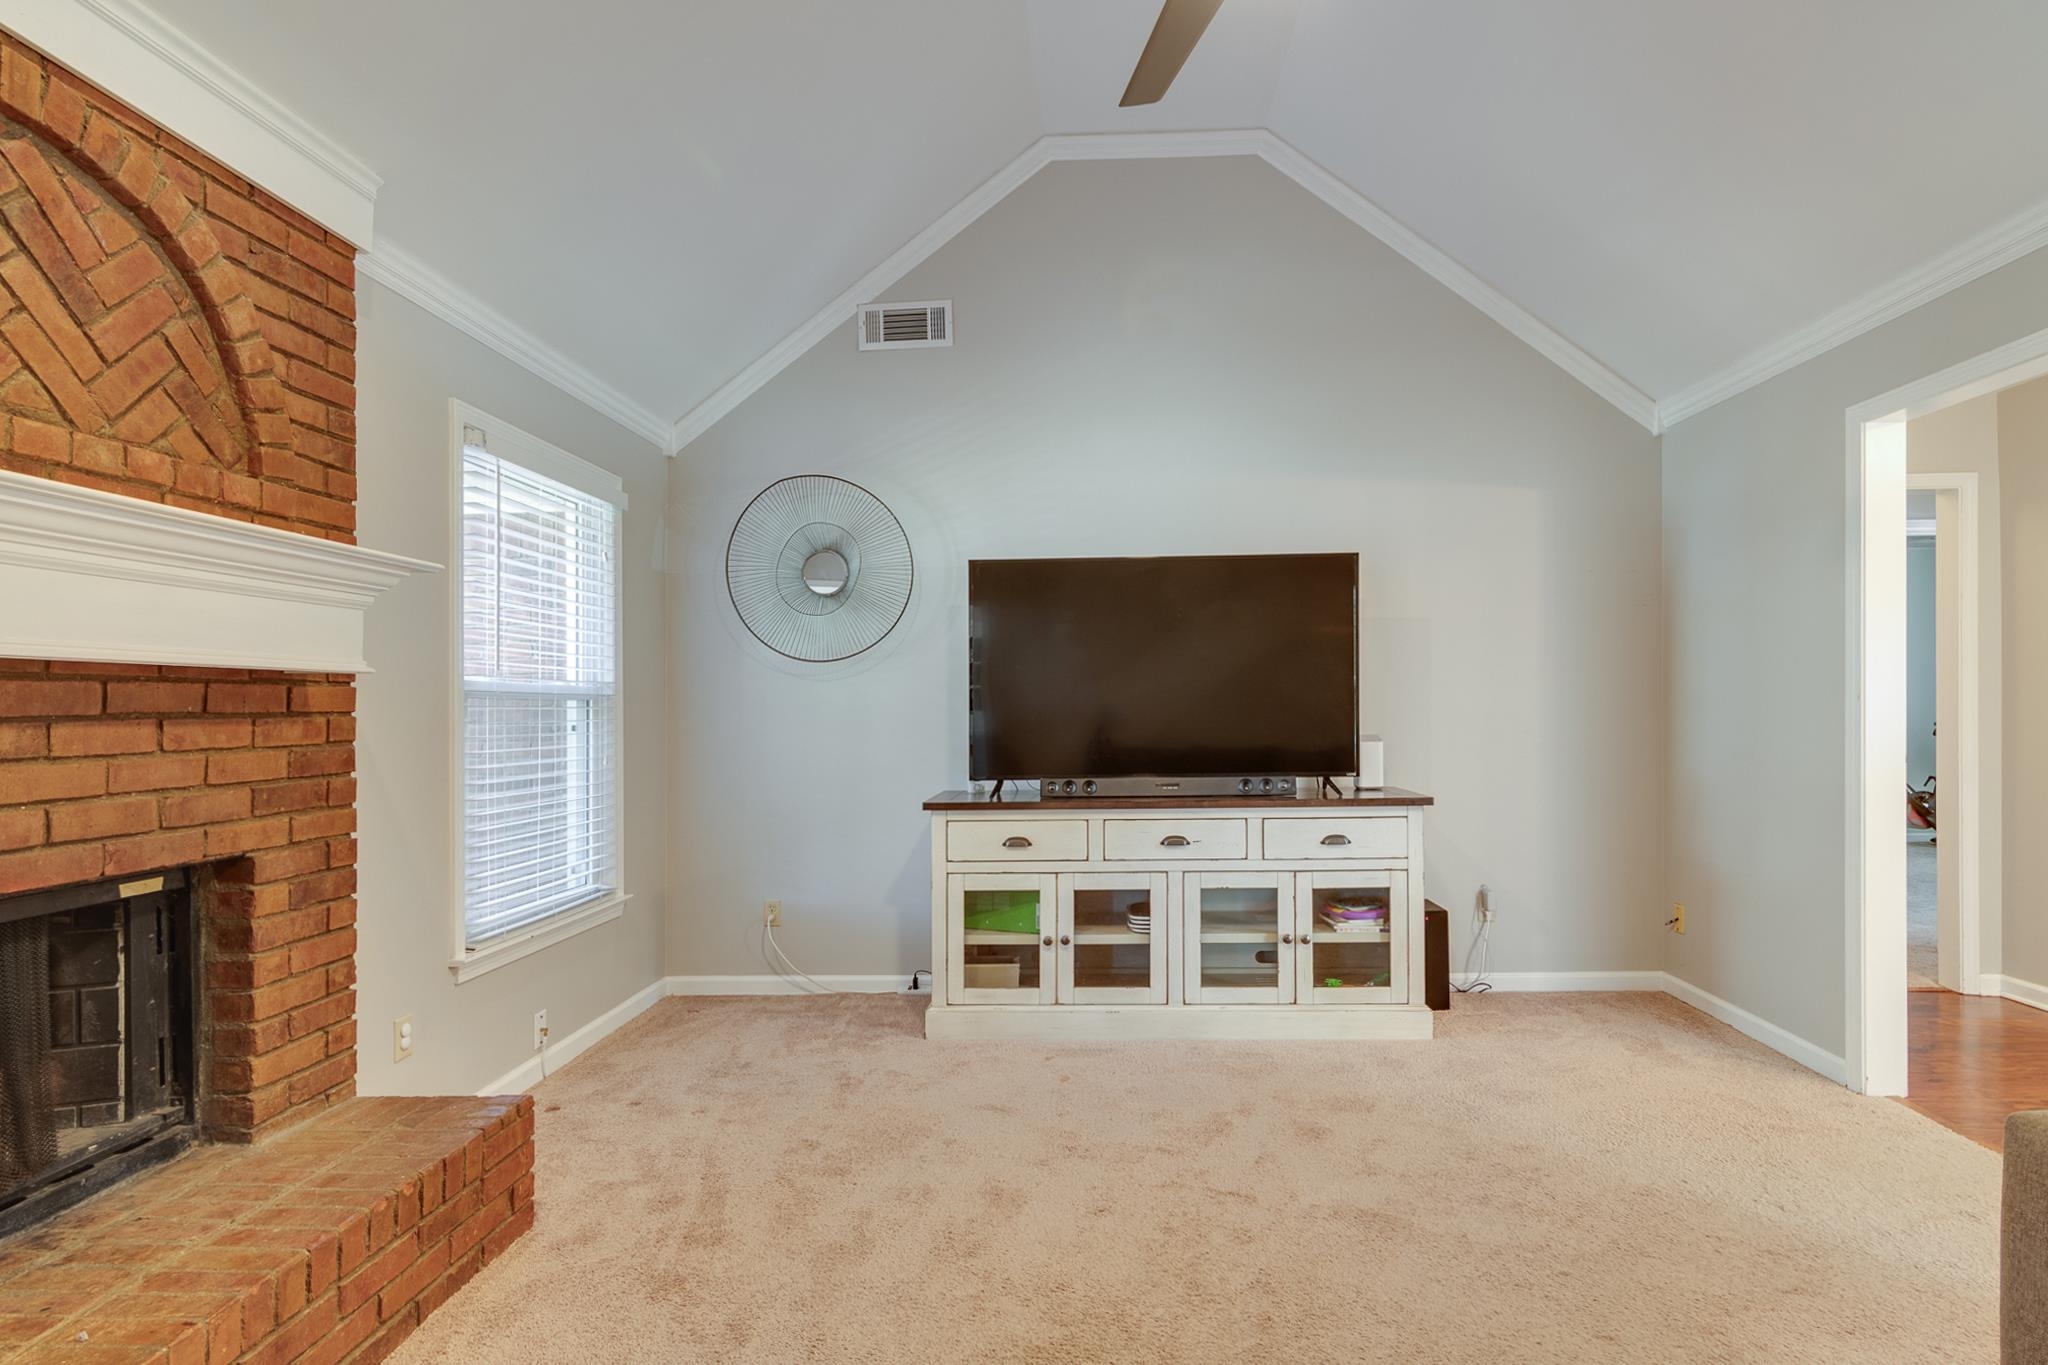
<point>540,685</point>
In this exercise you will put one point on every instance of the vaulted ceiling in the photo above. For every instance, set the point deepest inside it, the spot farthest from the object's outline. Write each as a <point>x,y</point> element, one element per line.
<point>662,192</point>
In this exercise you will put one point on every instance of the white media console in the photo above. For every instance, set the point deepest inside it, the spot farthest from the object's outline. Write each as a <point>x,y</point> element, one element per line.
<point>1296,917</point>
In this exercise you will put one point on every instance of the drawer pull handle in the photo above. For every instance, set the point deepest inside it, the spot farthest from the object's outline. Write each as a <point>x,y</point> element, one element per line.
<point>1016,841</point>
<point>1175,841</point>
<point>1336,840</point>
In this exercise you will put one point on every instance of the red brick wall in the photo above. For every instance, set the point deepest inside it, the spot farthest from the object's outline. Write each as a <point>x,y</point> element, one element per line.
<point>171,332</point>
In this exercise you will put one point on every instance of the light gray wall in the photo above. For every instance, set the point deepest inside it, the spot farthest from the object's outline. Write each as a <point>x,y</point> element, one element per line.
<point>1172,357</point>
<point>2023,466</point>
<point>410,365</point>
<point>1755,577</point>
<point>1919,659</point>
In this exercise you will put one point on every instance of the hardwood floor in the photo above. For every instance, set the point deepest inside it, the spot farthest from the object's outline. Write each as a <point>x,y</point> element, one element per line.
<point>1971,1060</point>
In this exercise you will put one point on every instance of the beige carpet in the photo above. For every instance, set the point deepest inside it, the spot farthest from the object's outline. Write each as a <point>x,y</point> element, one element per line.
<point>1554,1178</point>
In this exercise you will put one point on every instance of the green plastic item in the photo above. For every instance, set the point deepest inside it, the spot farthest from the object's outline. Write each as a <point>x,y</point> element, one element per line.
<point>1002,912</point>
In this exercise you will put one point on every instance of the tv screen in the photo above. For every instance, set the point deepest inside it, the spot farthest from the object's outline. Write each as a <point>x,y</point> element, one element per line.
<point>1196,666</point>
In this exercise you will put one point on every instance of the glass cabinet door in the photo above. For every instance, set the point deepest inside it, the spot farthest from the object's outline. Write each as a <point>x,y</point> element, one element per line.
<point>1239,929</point>
<point>999,939</point>
<point>1351,938</point>
<point>1113,938</point>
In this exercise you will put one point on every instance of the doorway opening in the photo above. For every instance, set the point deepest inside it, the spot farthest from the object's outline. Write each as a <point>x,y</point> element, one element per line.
<point>1913,469</point>
<point>1925,621</point>
<point>1952,662</point>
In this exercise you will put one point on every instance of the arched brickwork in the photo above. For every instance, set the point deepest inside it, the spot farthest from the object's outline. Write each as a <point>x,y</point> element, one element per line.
<point>223,333</point>
<point>103,330</point>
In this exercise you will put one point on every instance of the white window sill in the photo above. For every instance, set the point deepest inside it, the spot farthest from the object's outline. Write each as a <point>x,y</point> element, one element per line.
<point>546,934</point>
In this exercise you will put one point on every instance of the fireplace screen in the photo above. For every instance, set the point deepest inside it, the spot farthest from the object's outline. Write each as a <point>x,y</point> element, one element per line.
<point>96,1059</point>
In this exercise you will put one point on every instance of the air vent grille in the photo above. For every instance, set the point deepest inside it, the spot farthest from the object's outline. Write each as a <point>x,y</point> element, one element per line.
<point>900,326</point>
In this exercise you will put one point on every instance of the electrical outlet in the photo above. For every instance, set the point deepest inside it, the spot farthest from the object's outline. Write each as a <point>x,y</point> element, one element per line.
<point>771,914</point>
<point>1677,921</point>
<point>540,1029</point>
<point>401,1038</point>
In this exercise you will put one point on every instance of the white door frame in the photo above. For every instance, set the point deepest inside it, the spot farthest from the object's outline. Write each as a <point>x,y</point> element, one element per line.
<point>1958,526</point>
<point>1875,899</point>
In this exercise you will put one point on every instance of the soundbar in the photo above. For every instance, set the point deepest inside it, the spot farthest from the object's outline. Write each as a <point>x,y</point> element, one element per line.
<point>1166,786</point>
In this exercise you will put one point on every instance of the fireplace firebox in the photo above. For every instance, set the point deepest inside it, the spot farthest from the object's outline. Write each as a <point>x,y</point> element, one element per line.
<point>97,1038</point>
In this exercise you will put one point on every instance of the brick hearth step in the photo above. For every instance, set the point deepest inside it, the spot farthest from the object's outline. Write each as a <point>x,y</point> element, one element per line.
<point>328,1242</point>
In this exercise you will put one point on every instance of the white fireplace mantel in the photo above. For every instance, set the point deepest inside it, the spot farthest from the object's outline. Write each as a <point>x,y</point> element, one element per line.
<point>103,578</point>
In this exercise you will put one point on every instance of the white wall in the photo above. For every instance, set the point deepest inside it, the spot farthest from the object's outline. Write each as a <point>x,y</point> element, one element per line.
<point>2023,464</point>
<point>410,365</point>
<point>1756,495</point>
<point>1176,357</point>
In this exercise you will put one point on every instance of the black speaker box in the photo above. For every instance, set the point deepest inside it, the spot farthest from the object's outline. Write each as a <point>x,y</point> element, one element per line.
<point>1436,956</point>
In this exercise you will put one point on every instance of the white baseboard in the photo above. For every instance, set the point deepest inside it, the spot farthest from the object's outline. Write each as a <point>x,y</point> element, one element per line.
<point>528,1073</point>
<point>767,984</point>
<point>1568,981</point>
<point>557,1055</point>
<point>1809,1055</point>
<point>2016,990</point>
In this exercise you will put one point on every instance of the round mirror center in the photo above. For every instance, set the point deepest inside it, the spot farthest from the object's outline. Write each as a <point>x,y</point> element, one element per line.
<point>825,573</point>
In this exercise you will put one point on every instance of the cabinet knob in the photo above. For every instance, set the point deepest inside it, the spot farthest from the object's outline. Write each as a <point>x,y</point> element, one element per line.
<point>1047,940</point>
<point>1336,840</point>
<point>1287,938</point>
<point>1016,841</point>
<point>1065,941</point>
<point>1304,938</point>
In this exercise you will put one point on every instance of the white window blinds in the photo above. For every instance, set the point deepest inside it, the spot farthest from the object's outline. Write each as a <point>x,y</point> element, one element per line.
<point>540,647</point>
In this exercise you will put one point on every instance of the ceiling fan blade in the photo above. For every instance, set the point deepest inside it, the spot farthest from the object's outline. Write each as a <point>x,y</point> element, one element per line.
<point>1180,27</point>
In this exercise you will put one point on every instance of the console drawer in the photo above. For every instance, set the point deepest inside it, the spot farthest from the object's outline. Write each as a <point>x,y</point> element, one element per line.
<point>1348,836</point>
<point>1172,840</point>
<point>1016,841</point>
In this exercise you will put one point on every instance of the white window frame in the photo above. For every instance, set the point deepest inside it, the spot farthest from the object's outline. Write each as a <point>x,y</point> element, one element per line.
<point>469,426</point>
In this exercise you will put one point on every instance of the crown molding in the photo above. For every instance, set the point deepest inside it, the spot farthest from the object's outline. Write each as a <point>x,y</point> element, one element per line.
<point>101,577</point>
<point>821,324</point>
<point>1154,146</point>
<point>1978,256</point>
<point>132,52</point>
<point>1259,142</point>
<point>411,278</point>
<point>1525,326</point>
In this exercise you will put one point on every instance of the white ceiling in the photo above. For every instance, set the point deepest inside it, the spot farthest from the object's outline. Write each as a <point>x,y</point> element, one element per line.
<point>662,192</point>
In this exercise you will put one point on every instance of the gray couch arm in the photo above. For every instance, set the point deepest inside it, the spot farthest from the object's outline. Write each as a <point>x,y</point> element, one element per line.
<point>2023,1234</point>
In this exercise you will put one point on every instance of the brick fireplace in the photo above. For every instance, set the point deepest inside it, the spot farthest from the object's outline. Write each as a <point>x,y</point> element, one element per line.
<point>98,994</point>
<point>244,778</point>
<point>179,336</point>
<point>172,333</point>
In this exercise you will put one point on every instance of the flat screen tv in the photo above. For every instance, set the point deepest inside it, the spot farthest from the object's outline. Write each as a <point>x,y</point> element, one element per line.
<point>1179,666</point>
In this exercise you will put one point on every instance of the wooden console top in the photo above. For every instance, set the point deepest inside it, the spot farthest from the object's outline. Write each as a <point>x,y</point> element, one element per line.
<point>982,801</point>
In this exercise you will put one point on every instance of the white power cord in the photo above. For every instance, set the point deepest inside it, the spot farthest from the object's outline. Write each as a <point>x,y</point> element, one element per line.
<point>768,933</point>
<point>1482,944</point>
